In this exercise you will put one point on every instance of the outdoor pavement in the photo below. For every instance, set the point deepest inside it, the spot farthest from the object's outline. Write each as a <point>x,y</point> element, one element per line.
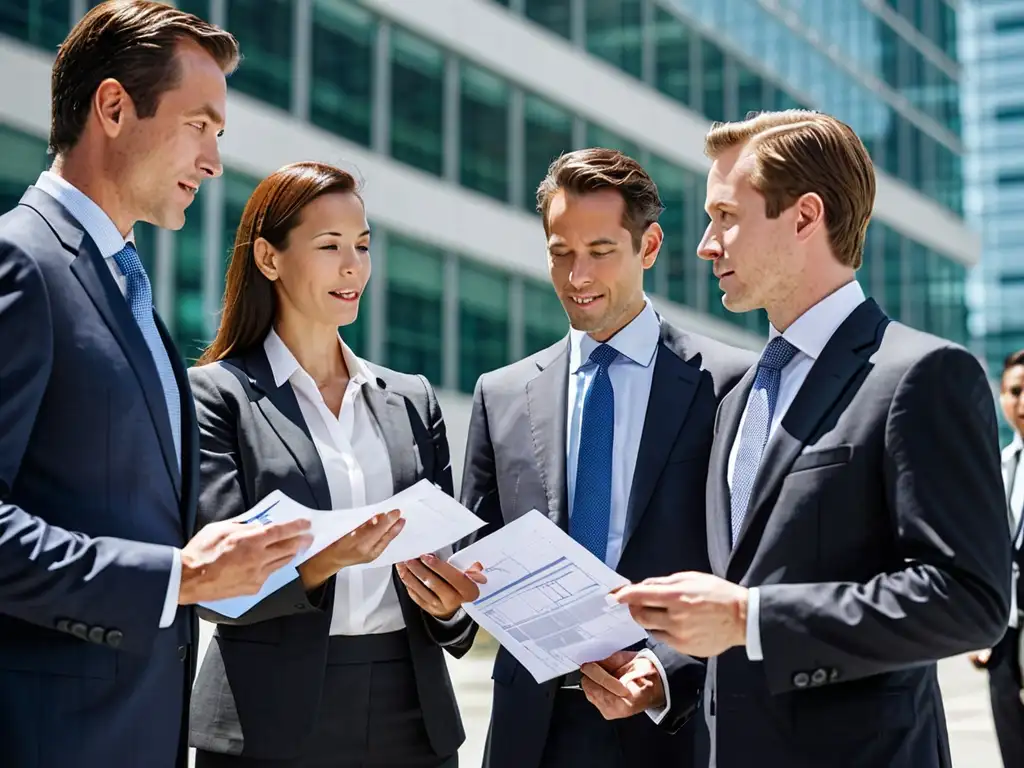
<point>965,695</point>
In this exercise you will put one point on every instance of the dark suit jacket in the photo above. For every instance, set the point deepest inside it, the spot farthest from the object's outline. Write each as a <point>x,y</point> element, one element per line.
<point>258,687</point>
<point>91,504</point>
<point>877,535</point>
<point>515,462</point>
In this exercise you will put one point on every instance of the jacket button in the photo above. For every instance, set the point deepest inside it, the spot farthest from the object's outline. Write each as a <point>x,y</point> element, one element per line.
<point>79,630</point>
<point>114,638</point>
<point>819,677</point>
<point>833,675</point>
<point>801,679</point>
<point>63,625</point>
<point>182,652</point>
<point>96,635</point>
<point>300,607</point>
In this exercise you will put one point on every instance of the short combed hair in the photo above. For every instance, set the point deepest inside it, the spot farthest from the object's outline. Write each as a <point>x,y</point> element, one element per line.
<point>133,42</point>
<point>799,151</point>
<point>1013,360</point>
<point>595,169</point>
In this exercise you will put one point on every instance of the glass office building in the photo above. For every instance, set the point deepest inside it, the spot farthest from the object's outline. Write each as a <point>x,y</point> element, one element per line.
<point>451,110</point>
<point>992,49</point>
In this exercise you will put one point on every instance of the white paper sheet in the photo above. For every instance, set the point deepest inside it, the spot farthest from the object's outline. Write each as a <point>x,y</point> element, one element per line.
<point>546,598</point>
<point>433,521</point>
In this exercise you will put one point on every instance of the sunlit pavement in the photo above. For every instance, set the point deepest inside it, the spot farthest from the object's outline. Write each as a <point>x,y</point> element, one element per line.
<point>965,694</point>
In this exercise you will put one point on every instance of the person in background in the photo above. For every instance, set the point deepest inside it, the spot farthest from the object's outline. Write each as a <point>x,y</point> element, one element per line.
<point>607,432</point>
<point>341,667</point>
<point>98,441</point>
<point>1003,661</point>
<point>856,521</point>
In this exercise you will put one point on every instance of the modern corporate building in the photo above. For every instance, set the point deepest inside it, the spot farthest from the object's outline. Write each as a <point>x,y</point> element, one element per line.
<point>992,50</point>
<point>451,110</point>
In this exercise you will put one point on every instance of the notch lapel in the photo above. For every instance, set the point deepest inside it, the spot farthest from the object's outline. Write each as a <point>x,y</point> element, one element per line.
<point>280,408</point>
<point>392,415</point>
<point>92,272</point>
<point>547,403</point>
<point>673,385</point>
<point>841,361</point>
<point>719,498</point>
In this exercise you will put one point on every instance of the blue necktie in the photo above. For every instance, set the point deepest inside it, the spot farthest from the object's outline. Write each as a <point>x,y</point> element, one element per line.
<point>756,426</point>
<point>140,301</point>
<point>592,501</point>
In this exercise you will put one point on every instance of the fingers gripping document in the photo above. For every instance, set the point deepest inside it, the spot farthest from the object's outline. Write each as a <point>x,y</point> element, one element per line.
<point>546,598</point>
<point>433,521</point>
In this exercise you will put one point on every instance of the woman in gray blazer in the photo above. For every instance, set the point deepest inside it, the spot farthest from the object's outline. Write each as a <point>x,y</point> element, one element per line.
<point>342,667</point>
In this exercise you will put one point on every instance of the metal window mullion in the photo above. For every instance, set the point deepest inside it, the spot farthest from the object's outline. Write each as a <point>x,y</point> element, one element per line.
<point>452,108</point>
<point>450,328</point>
<point>516,318</point>
<point>302,57</point>
<point>377,336</point>
<point>381,138</point>
<point>213,254</point>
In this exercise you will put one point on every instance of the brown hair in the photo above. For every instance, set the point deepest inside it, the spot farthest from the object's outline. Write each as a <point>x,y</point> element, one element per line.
<point>594,169</point>
<point>799,151</point>
<point>133,42</point>
<point>272,212</point>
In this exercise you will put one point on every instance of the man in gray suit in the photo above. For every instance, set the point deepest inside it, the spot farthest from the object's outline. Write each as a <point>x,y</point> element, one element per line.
<point>856,520</point>
<point>608,433</point>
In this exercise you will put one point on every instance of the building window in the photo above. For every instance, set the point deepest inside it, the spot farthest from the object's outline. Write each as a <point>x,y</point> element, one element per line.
<point>544,318</point>
<point>43,23</point>
<point>555,15</point>
<point>237,189</point>
<point>415,308</point>
<point>417,99</point>
<point>892,258</point>
<point>750,91</point>
<point>677,251</point>
<point>483,132</point>
<point>547,133</point>
<point>341,86</point>
<point>24,159</point>
<point>713,80</point>
<point>615,33</point>
<point>190,327</point>
<point>672,74</point>
<point>602,137</point>
<point>483,322</point>
<point>264,32</point>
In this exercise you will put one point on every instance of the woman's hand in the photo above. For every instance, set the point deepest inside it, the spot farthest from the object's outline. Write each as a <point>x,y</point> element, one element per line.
<point>363,545</point>
<point>439,588</point>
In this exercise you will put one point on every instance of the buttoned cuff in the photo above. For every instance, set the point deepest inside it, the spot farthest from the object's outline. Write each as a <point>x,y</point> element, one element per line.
<point>173,591</point>
<point>754,625</point>
<point>658,714</point>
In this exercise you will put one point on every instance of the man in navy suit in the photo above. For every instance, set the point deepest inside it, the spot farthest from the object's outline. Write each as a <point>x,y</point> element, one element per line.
<point>98,438</point>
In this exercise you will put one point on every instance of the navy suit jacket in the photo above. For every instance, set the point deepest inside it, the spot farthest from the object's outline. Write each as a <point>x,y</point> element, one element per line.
<point>91,504</point>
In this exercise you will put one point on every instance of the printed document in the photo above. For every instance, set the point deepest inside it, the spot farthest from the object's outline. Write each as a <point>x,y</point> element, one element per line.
<point>546,598</point>
<point>433,521</point>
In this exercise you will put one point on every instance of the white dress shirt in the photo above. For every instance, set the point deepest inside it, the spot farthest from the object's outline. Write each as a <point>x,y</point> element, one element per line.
<point>104,233</point>
<point>631,374</point>
<point>809,333</point>
<point>1013,481</point>
<point>358,470</point>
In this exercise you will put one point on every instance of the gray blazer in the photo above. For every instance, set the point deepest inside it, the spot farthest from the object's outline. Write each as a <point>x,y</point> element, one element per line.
<point>876,534</point>
<point>259,685</point>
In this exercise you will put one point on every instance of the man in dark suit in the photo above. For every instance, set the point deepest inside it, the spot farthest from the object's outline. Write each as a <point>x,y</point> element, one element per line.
<point>856,520</point>
<point>1003,662</point>
<point>607,433</point>
<point>98,439</point>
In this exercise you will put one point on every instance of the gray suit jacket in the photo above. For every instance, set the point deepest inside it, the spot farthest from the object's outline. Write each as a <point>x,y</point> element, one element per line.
<point>515,462</point>
<point>260,683</point>
<point>877,536</point>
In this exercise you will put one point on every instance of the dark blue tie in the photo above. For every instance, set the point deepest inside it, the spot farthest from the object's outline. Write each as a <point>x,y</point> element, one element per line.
<point>592,500</point>
<point>140,300</point>
<point>757,425</point>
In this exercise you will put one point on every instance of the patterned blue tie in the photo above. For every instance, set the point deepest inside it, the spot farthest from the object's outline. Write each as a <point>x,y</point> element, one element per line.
<point>756,426</point>
<point>592,501</point>
<point>140,301</point>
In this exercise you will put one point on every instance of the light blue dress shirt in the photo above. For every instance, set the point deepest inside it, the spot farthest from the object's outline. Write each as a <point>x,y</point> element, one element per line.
<point>631,375</point>
<point>104,233</point>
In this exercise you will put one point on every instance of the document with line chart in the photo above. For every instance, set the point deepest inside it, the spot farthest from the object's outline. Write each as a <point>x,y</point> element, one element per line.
<point>546,598</point>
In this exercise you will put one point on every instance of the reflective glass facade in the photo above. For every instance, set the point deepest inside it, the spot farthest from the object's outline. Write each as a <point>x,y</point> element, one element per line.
<point>370,81</point>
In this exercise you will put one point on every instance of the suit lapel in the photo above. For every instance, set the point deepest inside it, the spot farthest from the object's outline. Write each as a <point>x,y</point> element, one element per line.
<point>828,379</point>
<point>280,408</point>
<point>719,506</point>
<point>546,402</point>
<point>392,417</point>
<point>94,275</point>
<point>673,386</point>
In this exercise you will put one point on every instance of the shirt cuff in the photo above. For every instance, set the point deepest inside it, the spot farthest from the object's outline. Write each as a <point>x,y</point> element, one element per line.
<point>658,714</point>
<point>754,625</point>
<point>173,590</point>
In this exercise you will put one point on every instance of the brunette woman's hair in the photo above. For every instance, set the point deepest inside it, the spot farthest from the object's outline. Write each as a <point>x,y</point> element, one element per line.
<point>272,212</point>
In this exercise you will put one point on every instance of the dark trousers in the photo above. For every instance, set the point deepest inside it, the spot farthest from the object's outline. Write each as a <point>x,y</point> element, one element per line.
<point>579,737</point>
<point>369,714</point>
<point>1004,687</point>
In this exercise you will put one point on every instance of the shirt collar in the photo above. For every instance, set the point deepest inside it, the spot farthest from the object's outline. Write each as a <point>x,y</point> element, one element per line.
<point>637,341</point>
<point>1015,445</point>
<point>810,332</point>
<point>97,224</point>
<point>284,365</point>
